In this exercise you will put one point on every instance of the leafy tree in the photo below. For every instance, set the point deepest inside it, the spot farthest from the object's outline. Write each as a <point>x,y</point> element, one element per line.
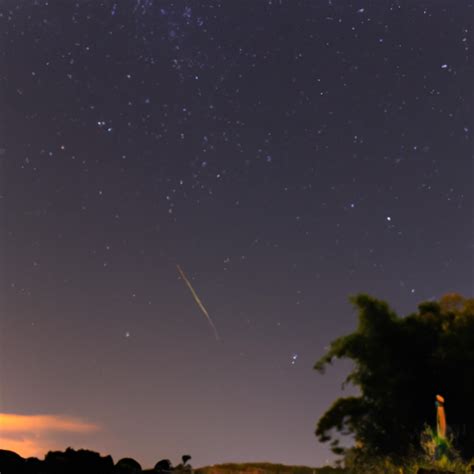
<point>400,366</point>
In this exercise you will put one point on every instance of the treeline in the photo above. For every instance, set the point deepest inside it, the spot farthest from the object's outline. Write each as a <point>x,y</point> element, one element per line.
<point>84,461</point>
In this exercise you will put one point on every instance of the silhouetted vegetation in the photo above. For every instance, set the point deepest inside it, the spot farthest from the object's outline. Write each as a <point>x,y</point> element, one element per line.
<point>83,462</point>
<point>400,366</point>
<point>89,462</point>
<point>264,467</point>
<point>128,466</point>
<point>164,466</point>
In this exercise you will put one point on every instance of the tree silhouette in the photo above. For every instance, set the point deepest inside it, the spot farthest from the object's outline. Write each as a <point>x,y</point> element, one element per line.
<point>128,466</point>
<point>400,366</point>
<point>163,466</point>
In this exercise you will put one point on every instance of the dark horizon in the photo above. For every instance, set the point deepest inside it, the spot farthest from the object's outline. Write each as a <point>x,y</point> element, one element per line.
<point>174,466</point>
<point>285,154</point>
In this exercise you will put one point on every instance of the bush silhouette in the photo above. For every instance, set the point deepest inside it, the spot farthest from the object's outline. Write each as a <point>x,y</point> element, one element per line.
<point>77,462</point>
<point>33,466</point>
<point>163,466</point>
<point>11,462</point>
<point>84,461</point>
<point>127,466</point>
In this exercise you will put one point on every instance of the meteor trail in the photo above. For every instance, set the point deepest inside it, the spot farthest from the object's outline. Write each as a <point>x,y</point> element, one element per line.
<point>198,301</point>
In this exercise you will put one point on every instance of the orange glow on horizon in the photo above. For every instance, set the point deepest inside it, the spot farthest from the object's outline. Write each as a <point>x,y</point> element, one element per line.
<point>26,448</point>
<point>27,435</point>
<point>21,423</point>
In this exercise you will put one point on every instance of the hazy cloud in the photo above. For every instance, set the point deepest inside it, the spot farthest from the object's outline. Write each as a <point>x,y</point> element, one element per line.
<point>32,435</point>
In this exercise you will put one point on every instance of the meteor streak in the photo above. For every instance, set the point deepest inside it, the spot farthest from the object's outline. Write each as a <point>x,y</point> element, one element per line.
<point>198,301</point>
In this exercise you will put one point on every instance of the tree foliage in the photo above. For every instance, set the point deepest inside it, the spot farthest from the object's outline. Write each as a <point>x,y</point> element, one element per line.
<point>400,364</point>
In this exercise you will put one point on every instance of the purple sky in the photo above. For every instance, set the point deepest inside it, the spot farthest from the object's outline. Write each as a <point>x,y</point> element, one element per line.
<point>285,153</point>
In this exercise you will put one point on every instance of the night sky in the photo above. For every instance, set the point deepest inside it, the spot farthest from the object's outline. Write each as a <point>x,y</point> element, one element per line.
<point>286,154</point>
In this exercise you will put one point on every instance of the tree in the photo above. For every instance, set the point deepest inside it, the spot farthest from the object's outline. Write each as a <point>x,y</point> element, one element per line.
<point>128,466</point>
<point>401,364</point>
<point>164,466</point>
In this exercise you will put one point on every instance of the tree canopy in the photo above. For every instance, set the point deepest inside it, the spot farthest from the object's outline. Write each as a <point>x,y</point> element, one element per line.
<point>400,365</point>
